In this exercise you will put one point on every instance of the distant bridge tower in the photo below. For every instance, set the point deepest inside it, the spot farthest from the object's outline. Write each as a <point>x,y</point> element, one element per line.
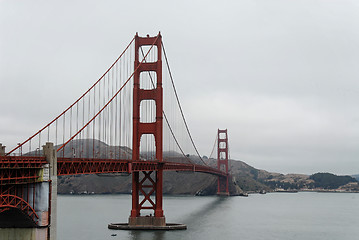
<point>222,161</point>
<point>146,183</point>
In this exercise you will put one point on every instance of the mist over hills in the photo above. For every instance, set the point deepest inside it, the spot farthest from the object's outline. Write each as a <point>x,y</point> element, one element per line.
<point>244,178</point>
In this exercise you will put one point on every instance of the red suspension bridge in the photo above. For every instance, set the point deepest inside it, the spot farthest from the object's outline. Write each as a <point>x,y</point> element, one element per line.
<point>129,121</point>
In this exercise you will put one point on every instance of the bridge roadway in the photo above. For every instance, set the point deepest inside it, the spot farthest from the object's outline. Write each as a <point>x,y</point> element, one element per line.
<point>24,169</point>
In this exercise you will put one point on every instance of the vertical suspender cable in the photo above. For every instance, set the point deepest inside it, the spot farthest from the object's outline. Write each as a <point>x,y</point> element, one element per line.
<point>94,123</point>
<point>179,105</point>
<point>166,119</point>
<point>82,96</point>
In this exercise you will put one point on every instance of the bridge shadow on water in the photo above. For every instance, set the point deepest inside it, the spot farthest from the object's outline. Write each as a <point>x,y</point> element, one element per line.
<point>205,210</point>
<point>191,220</point>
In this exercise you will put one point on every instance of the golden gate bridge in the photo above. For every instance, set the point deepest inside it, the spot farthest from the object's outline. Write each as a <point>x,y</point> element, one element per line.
<point>134,109</point>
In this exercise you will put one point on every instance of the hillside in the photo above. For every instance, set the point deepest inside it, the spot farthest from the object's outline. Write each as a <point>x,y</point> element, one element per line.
<point>331,181</point>
<point>174,182</point>
<point>317,182</point>
<point>244,178</point>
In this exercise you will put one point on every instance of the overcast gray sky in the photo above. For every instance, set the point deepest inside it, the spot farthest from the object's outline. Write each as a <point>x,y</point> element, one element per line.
<point>281,76</point>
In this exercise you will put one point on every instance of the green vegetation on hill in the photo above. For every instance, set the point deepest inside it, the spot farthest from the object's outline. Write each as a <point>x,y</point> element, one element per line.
<point>283,185</point>
<point>330,181</point>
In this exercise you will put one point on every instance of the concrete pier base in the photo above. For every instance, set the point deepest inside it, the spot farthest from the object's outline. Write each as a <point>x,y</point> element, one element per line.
<point>24,233</point>
<point>167,227</point>
<point>51,157</point>
<point>40,195</point>
<point>147,223</point>
<point>2,150</point>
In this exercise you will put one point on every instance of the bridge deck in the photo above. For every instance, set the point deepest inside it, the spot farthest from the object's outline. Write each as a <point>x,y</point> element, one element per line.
<point>25,169</point>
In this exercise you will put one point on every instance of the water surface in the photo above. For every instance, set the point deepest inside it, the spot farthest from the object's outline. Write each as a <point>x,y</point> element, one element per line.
<point>298,216</point>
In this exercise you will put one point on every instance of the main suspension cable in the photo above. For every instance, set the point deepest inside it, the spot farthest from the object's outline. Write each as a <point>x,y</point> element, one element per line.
<point>214,145</point>
<point>164,114</point>
<point>113,97</point>
<point>179,104</point>
<point>80,98</point>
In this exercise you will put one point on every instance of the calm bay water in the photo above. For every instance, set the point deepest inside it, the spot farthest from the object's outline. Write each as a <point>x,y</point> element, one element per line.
<point>298,216</point>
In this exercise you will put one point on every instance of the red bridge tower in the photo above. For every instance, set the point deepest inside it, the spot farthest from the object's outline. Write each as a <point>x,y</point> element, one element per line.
<point>148,183</point>
<point>222,161</point>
